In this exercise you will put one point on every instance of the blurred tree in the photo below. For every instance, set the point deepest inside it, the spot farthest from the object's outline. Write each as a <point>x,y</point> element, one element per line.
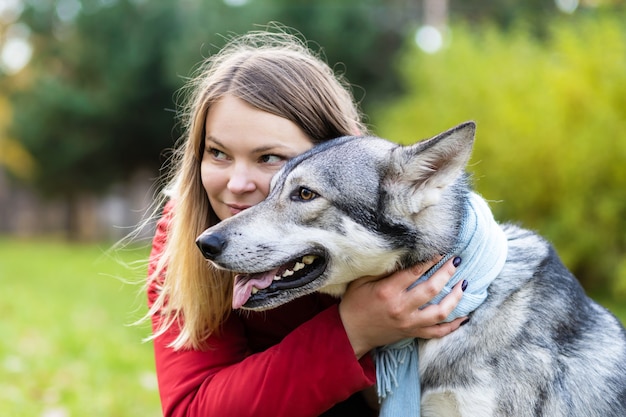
<point>99,98</point>
<point>360,37</point>
<point>95,110</point>
<point>536,15</point>
<point>104,74</point>
<point>505,13</point>
<point>13,157</point>
<point>357,37</point>
<point>550,120</point>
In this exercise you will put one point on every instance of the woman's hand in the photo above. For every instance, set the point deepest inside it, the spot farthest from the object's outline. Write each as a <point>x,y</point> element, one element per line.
<point>378,311</point>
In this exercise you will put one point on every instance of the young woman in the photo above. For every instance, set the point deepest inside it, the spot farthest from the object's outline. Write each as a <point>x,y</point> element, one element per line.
<point>261,100</point>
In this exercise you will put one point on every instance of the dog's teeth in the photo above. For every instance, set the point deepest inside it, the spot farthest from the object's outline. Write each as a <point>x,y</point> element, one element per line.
<point>308,259</point>
<point>288,273</point>
<point>298,266</point>
<point>277,278</point>
<point>255,290</point>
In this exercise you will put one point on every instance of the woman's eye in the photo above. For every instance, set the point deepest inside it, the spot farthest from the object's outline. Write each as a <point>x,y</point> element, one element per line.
<point>272,159</point>
<point>306,194</point>
<point>217,154</point>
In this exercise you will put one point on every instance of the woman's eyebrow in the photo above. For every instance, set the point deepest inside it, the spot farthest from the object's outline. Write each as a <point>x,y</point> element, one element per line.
<point>260,149</point>
<point>214,140</point>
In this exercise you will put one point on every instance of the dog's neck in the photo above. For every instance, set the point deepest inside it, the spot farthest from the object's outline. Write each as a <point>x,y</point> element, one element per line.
<point>482,247</point>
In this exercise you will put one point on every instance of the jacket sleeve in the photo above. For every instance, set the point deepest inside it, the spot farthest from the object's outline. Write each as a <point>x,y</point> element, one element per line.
<point>308,372</point>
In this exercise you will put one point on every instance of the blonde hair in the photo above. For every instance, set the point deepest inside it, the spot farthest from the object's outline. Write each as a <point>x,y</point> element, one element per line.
<point>275,72</point>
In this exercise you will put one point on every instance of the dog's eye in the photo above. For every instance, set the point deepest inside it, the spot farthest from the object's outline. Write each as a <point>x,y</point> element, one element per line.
<point>305,194</point>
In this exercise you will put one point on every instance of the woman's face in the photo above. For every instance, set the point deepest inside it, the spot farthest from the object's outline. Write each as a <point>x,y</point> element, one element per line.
<point>244,148</point>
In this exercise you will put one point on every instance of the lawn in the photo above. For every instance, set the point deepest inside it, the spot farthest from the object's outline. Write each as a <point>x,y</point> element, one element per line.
<point>67,346</point>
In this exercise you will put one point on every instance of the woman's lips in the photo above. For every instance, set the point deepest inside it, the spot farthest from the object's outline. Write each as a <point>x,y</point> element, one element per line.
<point>237,208</point>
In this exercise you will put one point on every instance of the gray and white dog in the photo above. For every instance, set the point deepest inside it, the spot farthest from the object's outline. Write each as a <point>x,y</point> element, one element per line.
<point>355,206</point>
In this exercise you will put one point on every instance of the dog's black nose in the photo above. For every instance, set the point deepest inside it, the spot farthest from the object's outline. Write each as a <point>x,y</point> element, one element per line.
<point>211,245</point>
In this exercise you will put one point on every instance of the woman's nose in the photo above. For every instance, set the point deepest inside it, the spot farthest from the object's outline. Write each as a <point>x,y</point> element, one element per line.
<point>241,180</point>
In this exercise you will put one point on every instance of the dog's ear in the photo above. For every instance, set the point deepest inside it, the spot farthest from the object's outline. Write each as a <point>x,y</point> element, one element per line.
<point>419,173</point>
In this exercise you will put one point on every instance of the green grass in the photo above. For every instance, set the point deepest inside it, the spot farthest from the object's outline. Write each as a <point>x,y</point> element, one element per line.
<point>66,345</point>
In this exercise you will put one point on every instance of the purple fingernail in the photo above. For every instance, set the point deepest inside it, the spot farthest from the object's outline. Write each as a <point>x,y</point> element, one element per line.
<point>456,261</point>
<point>464,285</point>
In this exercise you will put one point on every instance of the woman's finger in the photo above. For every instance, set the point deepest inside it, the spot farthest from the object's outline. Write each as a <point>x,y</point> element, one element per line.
<point>425,291</point>
<point>437,313</point>
<point>440,330</point>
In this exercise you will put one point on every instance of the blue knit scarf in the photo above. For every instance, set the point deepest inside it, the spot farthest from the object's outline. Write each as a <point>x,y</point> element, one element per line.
<point>482,247</point>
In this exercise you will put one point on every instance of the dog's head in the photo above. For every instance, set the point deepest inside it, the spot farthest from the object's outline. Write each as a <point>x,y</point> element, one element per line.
<point>349,207</point>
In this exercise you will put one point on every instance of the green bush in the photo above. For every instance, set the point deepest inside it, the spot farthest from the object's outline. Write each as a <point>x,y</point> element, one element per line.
<point>551,142</point>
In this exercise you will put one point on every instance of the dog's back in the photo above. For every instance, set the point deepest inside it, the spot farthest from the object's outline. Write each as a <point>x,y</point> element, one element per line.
<point>538,346</point>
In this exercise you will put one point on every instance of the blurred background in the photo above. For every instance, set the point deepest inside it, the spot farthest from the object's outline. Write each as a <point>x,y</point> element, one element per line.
<point>88,93</point>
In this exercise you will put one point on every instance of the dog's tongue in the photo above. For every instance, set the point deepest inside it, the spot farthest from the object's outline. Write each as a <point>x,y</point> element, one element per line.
<point>242,289</point>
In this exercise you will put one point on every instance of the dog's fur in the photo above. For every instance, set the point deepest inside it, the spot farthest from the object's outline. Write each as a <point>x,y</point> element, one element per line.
<point>538,346</point>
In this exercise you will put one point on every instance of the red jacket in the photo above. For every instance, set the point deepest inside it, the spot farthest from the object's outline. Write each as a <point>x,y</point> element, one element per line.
<point>294,360</point>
